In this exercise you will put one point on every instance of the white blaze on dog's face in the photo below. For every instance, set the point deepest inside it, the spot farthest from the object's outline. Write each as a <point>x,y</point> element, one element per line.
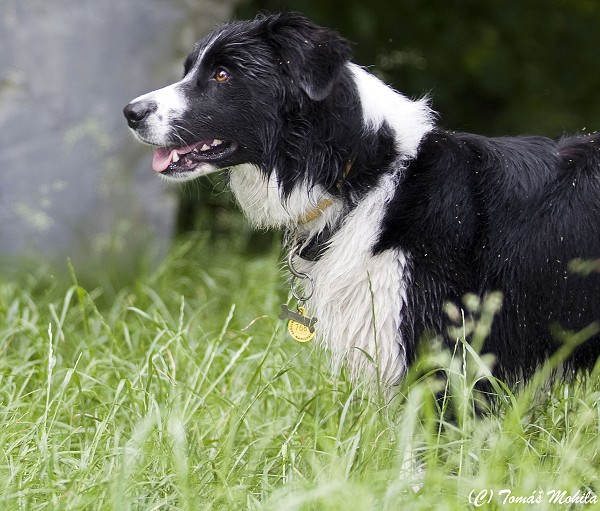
<point>159,109</point>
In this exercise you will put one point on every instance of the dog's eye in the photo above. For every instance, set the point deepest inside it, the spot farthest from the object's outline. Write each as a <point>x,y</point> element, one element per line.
<point>222,75</point>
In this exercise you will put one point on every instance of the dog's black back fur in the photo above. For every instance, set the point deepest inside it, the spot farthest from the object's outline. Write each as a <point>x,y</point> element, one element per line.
<point>483,214</point>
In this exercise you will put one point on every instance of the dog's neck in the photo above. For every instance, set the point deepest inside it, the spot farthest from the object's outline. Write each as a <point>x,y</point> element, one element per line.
<point>260,198</point>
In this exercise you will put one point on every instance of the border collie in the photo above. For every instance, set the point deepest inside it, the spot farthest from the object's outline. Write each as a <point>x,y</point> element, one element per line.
<point>387,215</point>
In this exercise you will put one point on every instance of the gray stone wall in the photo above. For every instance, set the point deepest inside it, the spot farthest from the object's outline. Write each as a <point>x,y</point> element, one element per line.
<point>72,180</point>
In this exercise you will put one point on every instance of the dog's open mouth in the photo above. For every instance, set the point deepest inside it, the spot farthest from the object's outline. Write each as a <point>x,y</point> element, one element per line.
<point>182,159</point>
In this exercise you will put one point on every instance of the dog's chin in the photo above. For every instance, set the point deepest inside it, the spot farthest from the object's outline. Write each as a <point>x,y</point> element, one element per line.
<point>173,173</point>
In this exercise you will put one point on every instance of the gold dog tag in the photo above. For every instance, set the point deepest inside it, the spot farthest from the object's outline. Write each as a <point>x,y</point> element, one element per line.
<point>300,331</point>
<point>300,327</point>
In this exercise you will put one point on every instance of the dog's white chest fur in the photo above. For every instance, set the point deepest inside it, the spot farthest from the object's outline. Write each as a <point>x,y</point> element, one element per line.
<point>359,299</point>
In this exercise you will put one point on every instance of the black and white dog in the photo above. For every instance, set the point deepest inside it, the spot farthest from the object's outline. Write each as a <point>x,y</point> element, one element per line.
<point>391,217</point>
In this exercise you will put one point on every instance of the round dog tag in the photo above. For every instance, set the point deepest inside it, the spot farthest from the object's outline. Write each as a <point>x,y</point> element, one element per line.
<point>298,331</point>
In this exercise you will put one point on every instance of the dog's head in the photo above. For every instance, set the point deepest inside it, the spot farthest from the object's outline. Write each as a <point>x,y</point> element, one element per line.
<point>240,87</point>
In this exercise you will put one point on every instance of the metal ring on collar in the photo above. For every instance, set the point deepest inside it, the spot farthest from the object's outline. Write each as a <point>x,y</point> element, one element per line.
<point>290,263</point>
<point>297,274</point>
<point>300,297</point>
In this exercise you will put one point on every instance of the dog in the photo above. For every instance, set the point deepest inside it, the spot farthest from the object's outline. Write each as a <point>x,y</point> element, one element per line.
<point>388,217</point>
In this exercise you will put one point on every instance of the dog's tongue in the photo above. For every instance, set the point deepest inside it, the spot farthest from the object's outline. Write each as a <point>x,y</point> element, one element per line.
<point>163,156</point>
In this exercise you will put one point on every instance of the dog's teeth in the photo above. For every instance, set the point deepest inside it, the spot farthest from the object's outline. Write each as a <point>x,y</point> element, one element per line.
<point>216,142</point>
<point>205,147</point>
<point>175,157</point>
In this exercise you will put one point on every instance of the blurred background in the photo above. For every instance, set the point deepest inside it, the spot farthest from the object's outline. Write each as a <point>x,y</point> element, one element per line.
<point>74,184</point>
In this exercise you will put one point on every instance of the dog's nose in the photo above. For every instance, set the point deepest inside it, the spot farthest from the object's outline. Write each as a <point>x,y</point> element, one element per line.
<point>136,111</point>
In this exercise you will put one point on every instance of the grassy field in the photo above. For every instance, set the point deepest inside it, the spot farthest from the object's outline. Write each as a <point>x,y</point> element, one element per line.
<point>182,391</point>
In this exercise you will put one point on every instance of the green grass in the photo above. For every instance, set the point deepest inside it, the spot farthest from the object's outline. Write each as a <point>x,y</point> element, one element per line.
<point>182,391</point>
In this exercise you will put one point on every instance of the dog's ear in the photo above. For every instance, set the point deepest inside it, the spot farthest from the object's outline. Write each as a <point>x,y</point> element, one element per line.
<point>313,56</point>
